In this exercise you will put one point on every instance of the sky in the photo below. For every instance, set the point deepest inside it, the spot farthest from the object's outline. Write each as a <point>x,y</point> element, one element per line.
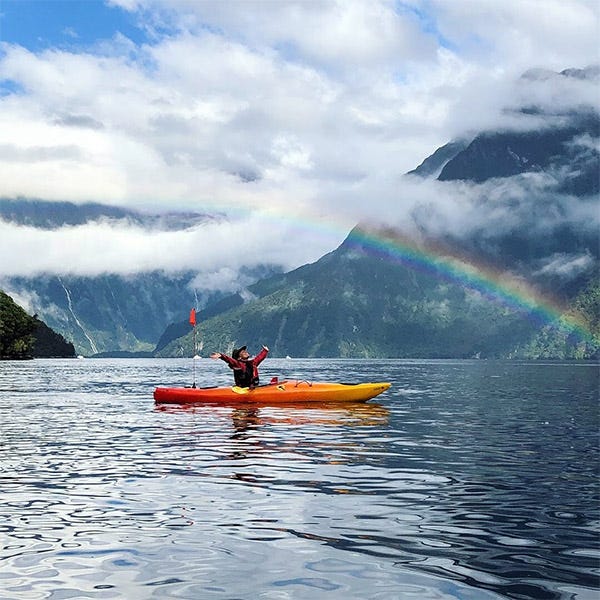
<point>292,120</point>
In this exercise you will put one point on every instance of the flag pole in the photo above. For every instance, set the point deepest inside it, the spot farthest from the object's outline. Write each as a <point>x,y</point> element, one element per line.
<point>193,324</point>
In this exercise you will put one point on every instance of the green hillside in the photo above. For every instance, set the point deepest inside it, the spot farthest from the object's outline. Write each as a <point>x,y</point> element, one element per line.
<point>16,330</point>
<point>23,336</point>
<point>351,304</point>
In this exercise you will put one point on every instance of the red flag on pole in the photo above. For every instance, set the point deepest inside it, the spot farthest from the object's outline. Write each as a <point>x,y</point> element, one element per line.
<point>193,317</point>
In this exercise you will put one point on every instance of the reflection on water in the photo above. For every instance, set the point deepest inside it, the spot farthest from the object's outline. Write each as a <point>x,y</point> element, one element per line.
<point>465,480</point>
<point>246,416</point>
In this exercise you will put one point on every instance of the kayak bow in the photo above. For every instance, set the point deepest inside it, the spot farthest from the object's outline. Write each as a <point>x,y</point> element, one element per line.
<point>283,392</point>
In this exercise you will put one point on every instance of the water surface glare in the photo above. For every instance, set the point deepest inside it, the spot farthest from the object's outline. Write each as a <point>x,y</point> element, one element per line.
<point>466,480</point>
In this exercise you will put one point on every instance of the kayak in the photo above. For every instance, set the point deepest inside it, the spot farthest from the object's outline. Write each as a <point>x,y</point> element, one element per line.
<point>282,392</point>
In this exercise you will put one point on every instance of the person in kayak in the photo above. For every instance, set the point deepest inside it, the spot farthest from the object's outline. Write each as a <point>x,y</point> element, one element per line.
<point>245,369</point>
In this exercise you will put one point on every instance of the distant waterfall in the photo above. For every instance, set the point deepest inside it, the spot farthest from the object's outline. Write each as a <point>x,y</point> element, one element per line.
<point>70,303</point>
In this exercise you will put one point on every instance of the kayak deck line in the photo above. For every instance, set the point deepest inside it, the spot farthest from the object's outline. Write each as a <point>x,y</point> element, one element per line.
<point>278,392</point>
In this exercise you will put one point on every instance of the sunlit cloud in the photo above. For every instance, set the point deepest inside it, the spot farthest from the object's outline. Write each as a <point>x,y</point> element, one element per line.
<point>286,117</point>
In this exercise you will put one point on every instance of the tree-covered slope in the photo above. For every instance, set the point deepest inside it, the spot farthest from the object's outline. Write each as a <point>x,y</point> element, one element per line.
<point>353,304</point>
<point>47,343</point>
<point>16,330</point>
<point>23,336</point>
<point>555,341</point>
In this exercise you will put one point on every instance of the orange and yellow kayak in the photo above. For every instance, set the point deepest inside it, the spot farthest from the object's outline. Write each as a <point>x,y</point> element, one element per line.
<point>282,392</point>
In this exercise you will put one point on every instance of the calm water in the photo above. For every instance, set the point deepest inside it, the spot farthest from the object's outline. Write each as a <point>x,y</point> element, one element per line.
<point>466,480</point>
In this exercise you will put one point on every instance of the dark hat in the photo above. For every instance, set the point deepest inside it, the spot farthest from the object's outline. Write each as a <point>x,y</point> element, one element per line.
<point>236,353</point>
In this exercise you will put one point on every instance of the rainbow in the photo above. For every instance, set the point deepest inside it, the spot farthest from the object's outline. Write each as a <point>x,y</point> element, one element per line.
<point>495,285</point>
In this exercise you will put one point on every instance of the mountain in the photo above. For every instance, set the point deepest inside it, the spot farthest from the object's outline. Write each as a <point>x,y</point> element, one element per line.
<point>109,313</point>
<point>52,215</point>
<point>534,187</point>
<point>520,205</point>
<point>49,344</point>
<point>16,330</point>
<point>22,336</point>
<point>181,328</point>
<point>432,166</point>
<point>560,141</point>
<point>354,304</point>
<point>532,197</point>
<point>551,150</point>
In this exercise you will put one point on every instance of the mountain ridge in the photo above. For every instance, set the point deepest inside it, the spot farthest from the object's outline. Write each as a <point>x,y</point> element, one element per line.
<point>529,195</point>
<point>353,304</point>
<point>546,177</point>
<point>110,312</point>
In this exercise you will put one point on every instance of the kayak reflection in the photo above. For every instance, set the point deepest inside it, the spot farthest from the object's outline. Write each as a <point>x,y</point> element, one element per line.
<point>350,414</point>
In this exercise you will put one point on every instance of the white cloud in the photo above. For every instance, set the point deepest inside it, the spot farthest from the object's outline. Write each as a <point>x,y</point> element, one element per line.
<point>273,112</point>
<point>520,34</point>
<point>104,247</point>
<point>333,34</point>
<point>224,279</point>
<point>566,266</point>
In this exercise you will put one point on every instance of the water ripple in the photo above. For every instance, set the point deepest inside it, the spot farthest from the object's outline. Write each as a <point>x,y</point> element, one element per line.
<point>468,480</point>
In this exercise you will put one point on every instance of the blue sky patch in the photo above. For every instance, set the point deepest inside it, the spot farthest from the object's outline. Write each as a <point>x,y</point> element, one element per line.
<point>67,24</point>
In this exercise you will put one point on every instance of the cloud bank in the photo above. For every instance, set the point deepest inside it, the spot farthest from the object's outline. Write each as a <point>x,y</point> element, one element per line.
<point>296,119</point>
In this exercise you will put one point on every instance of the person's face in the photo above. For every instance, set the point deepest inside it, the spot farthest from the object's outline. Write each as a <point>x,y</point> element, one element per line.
<point>244,354</point>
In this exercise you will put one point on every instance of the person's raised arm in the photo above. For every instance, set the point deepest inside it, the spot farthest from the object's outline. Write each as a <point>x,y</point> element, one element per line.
<point>261,355</point>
